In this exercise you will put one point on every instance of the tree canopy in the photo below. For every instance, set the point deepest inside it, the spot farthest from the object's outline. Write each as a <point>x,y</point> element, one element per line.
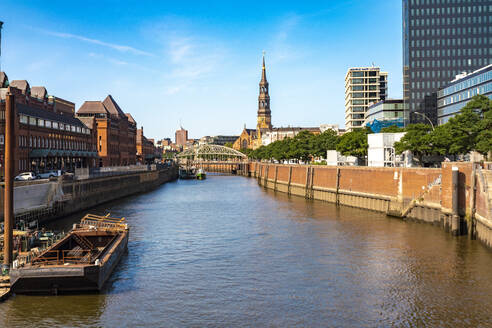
<point>304,146</point>
<point>354,143</point>
<point>469,130</point>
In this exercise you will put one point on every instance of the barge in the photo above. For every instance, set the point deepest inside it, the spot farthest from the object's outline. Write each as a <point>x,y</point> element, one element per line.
<point>81,261</point>
<point>187,173</point>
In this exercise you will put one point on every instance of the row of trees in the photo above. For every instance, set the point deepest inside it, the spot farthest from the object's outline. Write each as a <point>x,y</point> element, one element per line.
<point>305,146</point>
<point>470,130</point>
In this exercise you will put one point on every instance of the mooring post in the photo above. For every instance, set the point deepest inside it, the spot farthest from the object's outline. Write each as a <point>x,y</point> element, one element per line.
<point>337,199</point>
<point>8,204</point>
<point>276,174</point>
<point>290,179</point>
<point>306,187</point>
<point>455,217</point>
<point>472,224</point>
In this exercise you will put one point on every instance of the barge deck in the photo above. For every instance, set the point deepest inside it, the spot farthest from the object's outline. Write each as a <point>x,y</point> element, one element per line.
<point>81,261</point>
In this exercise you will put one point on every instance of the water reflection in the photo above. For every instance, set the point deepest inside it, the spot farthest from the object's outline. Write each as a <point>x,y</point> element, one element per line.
<point>226,252</point>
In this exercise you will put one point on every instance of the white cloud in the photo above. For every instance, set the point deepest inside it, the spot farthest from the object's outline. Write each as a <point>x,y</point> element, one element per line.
<point>118,47</point>
<point>189,54</point>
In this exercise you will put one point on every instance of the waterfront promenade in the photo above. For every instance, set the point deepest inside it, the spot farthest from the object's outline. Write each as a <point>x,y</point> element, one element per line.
<point>226,252</point>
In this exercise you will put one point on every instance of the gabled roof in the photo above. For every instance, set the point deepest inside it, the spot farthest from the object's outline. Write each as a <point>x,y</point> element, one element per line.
<point>22,85</point>
<point>3,80</point>
<point>92,107</point>
<point>88,121</point>
<point>39,92</point>
<point>250,132</point>
<point>130,118</point>
<point>113,107</point>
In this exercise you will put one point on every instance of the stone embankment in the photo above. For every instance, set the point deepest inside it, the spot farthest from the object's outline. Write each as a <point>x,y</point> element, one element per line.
<point>54,199</point>
<point>424,194</point>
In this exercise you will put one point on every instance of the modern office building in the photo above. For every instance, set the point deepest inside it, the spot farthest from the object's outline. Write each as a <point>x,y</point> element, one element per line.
<point>441,38</point>
<point>363,86</point>
<point>384,113</point>
<point>452,98</point>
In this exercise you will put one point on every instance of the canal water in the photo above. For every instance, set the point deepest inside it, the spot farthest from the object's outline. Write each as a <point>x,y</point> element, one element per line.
<point>224,252</point>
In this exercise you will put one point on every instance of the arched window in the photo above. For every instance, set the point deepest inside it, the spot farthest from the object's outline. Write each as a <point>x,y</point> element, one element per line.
<point>244,144</point>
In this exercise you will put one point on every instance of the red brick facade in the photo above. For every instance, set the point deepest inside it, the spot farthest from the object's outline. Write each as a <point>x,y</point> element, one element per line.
<point>116,132</point>
<point>47,134</point>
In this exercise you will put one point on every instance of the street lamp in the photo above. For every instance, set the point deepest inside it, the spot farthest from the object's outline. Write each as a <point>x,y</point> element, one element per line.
<point>425,116</point>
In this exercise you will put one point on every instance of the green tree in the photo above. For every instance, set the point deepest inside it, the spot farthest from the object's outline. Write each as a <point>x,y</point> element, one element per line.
<point>483,141</point>
<point>327,140</point>
<point>300,146</point>
<point>392,129</point>
<point>354,143</point>
<point>463,131</point>
<point>418,140</point>
<point>440,140</point>
<point>228,144</point>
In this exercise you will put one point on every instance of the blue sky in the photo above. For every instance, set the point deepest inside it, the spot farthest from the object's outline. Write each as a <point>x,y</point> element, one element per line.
<point>199,62</point>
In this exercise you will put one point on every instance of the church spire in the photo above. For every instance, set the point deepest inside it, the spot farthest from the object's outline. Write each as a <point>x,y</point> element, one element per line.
<point>264,119</point>
<point>263,70</point>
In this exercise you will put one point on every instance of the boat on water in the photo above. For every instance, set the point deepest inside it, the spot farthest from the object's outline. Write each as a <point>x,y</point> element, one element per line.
<point>187,173</point>
<point>81,261</point>
<point>201,175</point>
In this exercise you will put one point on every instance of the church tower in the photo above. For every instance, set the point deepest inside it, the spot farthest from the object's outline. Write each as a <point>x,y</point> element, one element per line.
<point>264,114</point>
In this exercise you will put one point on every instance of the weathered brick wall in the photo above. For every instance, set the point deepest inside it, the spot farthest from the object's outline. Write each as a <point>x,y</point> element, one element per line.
<point>299,174</point>
<point>465,172</point>
<point>378,181</point>
<point>432,185</point>
<point>481,201</point>
<point>325,177</point>
<point>415,181</point>
<point>283,173</point>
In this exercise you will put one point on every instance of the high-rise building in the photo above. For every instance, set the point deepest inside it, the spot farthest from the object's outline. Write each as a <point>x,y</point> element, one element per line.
<point>363,86</point>
<point>181,137</point>
<point>441,38</point>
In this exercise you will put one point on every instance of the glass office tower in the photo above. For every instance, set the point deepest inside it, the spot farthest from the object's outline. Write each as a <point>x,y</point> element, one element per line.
<point>441,39</point>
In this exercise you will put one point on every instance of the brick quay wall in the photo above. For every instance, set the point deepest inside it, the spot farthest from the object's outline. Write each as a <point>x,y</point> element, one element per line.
<point>67,197</point>
<point>423,194</point>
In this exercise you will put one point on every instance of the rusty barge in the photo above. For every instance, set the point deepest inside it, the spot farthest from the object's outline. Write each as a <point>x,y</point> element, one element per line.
<point>82,261</point>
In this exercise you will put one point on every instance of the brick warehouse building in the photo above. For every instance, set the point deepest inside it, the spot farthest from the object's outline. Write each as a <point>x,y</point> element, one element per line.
<point>146,150</point>
<point>116,131</point>
<point>48,135</point>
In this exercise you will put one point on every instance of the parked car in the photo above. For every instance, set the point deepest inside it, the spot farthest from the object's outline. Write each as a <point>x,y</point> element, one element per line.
<point>49,174</point>
<point>26,176</point>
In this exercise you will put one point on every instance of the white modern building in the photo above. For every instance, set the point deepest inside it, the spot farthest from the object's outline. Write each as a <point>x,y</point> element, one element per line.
<point>334,158</point>
<point>381,150</point>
